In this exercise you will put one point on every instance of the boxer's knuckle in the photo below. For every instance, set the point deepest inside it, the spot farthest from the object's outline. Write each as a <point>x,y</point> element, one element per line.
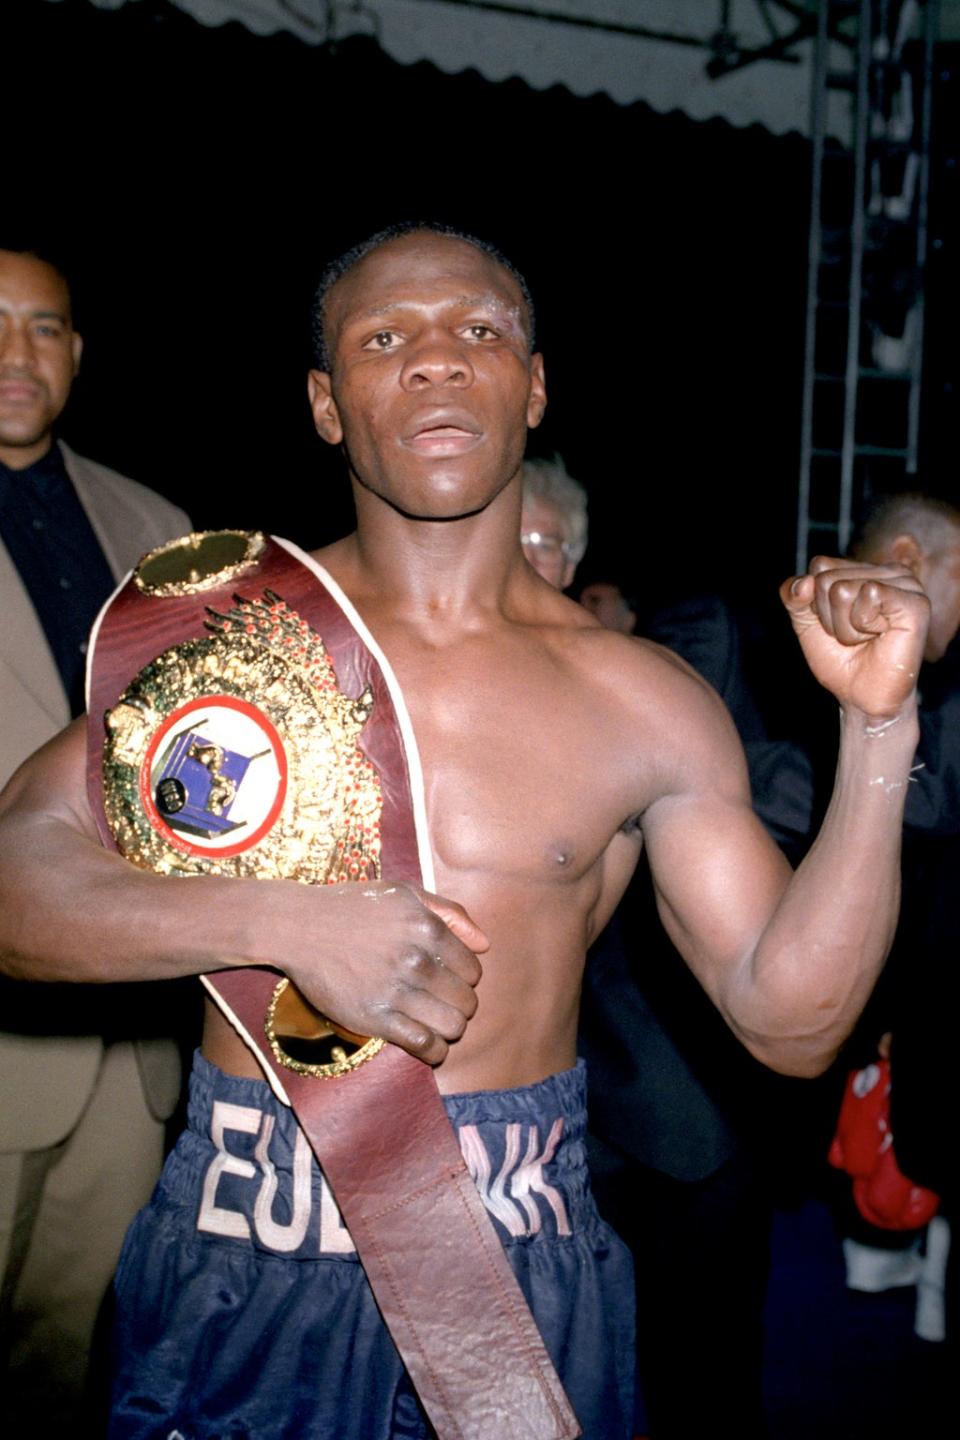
<point>416,963</point>
<point>422,1042</point>
<point>431,929</point>
<point>454,1026</point>
<point>401,1030</point>
<point>418,1039</point>
<point>403,896</point>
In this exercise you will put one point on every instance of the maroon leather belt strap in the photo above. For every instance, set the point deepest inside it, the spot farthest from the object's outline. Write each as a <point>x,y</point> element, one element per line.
<point>188,744</point>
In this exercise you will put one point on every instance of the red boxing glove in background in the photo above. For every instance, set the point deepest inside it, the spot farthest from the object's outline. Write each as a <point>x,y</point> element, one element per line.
<point>863,1148</point>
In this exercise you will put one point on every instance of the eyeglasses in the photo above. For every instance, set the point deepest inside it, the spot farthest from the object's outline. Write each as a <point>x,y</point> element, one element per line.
<point>550,545</point>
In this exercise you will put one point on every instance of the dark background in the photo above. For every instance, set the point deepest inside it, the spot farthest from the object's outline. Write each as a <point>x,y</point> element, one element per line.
<point>193,181</point>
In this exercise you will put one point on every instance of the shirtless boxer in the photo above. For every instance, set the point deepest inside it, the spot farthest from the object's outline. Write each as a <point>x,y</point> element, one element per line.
<point>552,750</point>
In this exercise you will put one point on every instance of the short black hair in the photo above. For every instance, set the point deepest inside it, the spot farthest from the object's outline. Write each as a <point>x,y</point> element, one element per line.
<point>910,512</point>
<point>345,262</point>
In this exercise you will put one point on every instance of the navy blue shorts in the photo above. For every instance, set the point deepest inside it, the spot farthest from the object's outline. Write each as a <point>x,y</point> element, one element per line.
<point>243,1311</point>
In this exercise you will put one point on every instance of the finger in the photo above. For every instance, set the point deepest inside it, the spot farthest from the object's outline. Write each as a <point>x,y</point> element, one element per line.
<point>424,973</point>
<point>830,595</point>
<point>900,575</point>
<point>800,591</point>
<point>456,919</point>
<point>805,596</point>
<point>432,942</point>
<point>839,601</point>
<point>797,593</point>
<point>847,569</point>
<point>872,608</point>
<point>418,1040</point>
<point>850,604</point>
<point>819,563</point>
<point>861,609</point>
<point>447,1021</point>
<point>868,610</point>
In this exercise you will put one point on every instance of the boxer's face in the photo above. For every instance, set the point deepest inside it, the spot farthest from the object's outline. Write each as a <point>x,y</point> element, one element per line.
<point>39,355</point>
<point>433,385</point>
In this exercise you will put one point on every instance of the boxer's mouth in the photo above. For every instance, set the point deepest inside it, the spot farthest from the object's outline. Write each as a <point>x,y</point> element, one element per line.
<point>445,435</point>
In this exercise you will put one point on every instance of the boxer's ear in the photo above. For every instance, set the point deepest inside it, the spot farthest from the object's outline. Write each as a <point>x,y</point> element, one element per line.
<point>905,550</point>
<point>537,403</point>
<point>326,416</point>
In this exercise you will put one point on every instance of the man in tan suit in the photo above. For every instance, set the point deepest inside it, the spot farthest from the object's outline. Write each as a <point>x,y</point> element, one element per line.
<point>81,1121</point>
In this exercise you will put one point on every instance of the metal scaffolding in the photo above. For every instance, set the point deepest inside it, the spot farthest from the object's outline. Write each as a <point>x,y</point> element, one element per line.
<point>866,266</point>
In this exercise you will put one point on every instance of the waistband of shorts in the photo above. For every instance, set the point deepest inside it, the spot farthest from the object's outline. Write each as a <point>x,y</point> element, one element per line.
<point>244,1169</point>
<point>564,1093</point>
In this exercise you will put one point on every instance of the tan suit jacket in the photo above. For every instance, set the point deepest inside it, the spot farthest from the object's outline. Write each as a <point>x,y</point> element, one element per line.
<point>46,1079</point>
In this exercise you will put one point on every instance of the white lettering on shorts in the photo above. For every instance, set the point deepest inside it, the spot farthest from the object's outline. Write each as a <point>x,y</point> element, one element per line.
<point>513,1196</point>
<point>284,1238</point>
<point>213,1217</point>
<point>529,1176</point>
<point>526,1178</point>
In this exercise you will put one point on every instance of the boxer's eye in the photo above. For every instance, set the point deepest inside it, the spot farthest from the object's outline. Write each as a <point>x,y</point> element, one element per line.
<point>383,340</point>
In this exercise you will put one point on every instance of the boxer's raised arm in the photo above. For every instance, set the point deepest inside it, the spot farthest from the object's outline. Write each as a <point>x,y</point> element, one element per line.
<point>377,958</point>
<point>791,961</point>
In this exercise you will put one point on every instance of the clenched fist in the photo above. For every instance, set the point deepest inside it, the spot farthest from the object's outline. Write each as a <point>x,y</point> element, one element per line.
<point>863,629</point>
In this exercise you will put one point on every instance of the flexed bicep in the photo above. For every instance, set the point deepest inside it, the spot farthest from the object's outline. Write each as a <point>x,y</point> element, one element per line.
<point>718,878</point>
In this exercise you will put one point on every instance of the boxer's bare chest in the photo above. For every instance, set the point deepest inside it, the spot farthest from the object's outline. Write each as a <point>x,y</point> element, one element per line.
<point>528,772</point>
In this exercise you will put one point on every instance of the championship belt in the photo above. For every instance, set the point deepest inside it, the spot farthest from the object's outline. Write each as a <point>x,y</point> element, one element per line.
<point>242,721</point>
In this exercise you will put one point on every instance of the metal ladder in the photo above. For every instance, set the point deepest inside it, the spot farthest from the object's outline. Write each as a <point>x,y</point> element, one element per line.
<point>866,259</point>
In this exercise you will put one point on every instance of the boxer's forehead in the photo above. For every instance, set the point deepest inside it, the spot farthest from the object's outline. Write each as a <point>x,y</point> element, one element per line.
<point>423,270</point>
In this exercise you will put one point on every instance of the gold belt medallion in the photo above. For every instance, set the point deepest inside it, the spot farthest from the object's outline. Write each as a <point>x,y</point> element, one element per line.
<point>236,754</point>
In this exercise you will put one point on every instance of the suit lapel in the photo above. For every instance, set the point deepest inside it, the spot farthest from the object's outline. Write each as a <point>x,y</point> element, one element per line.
<point>25,658</point>
<point>33,698</point>
<point>97,505</point>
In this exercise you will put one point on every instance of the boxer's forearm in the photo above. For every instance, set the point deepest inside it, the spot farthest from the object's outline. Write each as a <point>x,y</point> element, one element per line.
<point>377,958</point>
<point>71,911</point>
<point>797,998</point>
